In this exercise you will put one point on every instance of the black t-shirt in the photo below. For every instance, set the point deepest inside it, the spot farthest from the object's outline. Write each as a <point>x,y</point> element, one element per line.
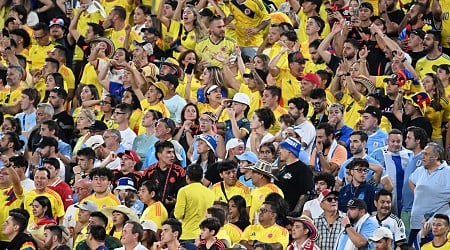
<point>66,126</point>
<point>295,180</point>
<point>212,174</point>
<point>395,17</point>
<point>420,122</point>
<point>376,58</point>
<point>334,63</point>
<point>415,56</point>
<point>35,137</point>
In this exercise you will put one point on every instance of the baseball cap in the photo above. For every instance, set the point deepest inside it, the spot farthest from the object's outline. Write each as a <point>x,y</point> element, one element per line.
<point>374,111</point>
<point>418,32</point>
<point>381,233</point>
<point>125,183</point>
<point>312,77</point>
<point>47,141</point>
<point>209,140</point>
<point>232,143</point>
<point>242,98</point>
<point>88,206</point>
<point>357,203</point>
<point>325,193</point>
<point>149,225</point>
<point>247,156</point>
<point>150,30</point>
<point>172,79</point>
<point>98,126</point>
<point>94,142</point>
<point>293,145</point>
<point>206,12</point>
<point>57,21</point>
<point>130,154</point>
<point>444,66</point>
<point>211,89</point>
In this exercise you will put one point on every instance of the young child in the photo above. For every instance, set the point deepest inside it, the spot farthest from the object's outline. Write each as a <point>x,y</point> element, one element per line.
<point>208,241</point>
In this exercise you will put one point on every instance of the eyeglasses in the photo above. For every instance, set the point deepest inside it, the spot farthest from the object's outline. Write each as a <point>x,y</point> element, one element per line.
<point>361,170</point>
<point>331,199</point>
<point>263,210</point>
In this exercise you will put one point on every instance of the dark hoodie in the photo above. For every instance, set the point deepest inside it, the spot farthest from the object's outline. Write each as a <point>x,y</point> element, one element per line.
<point>22,240</point>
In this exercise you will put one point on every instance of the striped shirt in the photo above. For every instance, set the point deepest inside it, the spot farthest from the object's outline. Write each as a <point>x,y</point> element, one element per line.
<point>328,234</point>
<point>396,225</point>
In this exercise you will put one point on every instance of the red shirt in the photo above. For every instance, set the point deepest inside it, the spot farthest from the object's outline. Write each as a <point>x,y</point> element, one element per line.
<point>64,191</point>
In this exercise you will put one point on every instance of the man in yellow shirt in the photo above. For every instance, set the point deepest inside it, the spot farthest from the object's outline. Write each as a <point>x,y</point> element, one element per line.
<point>101,180</point>
<point>41,179</point>
<point>432,42</point>
<point>59,53</point>
<point>230,186</point>
<point>267,231</point>
<point>190,206</point>
<point>251,19</point>
<point>217,42</point>
<point>261,176</point>
<point>11,103</point>
<point>39,50</point>
<point>116,28</point>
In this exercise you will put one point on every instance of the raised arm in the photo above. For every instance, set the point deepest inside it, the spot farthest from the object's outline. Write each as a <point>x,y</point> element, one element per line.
<point>323,47</point>
<point>74,23</point>
<point>163,19</point>
<point>178,10</point>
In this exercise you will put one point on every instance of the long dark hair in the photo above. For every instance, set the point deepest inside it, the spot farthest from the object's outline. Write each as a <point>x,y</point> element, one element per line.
<point>45,202</point>
<point>241,206</point>
<point>197,117</point>
<point>135,103</point>
<point>125,219</point>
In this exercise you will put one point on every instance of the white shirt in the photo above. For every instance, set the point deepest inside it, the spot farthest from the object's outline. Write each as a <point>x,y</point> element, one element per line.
<point>138,247</point>
<point>27,185</point>
<point>128,136</point>
<point>310,135</point>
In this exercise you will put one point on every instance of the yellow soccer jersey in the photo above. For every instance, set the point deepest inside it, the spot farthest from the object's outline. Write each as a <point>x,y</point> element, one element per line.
<point>156,212</point>
<point>311,67</point>
<point>69,77</point>
<point>203,107</point>
<point>39,54</point>
<point>248,14</point>
<point>195,85</point>
<point>118,37</point>
<point>108,201</point>
<point>425,65</point>
<point>206,48</point>
<point>436,118</point>
<point>160,107</point>
<point>258,195</point>
<point>290,86</point>
<point>90,77</point>
<point>302,36</point>
<point>445,32</point>
<point>238,189</point>
<point>429,246</point>
<point>272,234</point>
<point>255,98</point>
<point>109,4</point>
<point>135,120</point>
<point>8,201</point>
<point>233,231</point>
<point>352,107</point>
<point>55,200</point>
<point>170,32</point>
<point>274,129</point>
<point>283,63</point>
<point>82,27</point>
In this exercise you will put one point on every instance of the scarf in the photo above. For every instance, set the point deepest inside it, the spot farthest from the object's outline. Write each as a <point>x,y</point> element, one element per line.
<point>307,245</point>
<point>349,244</point>
<point>333,147</point>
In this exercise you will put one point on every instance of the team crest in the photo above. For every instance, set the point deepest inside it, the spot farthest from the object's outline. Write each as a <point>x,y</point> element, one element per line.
<point>287,176</point>
<point>247,11</point>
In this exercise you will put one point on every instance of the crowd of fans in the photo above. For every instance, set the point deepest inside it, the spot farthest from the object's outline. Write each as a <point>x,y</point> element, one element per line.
<point>213,124</point>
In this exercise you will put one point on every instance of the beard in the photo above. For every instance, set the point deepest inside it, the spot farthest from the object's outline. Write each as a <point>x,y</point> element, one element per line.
<point>413,20</point>
<point>390,7</point>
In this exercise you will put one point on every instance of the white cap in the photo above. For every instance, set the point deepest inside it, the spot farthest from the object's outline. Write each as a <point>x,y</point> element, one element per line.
<point>381,233</point>
<point>242,98</point>
<point>150,225</point>
<point>94,142</point>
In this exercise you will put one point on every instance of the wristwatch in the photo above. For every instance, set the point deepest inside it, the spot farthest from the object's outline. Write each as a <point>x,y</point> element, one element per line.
<point>319,153</point>
<point>348,225</point>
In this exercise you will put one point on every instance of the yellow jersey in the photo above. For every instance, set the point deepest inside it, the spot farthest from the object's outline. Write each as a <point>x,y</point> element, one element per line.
<point>302,36</point>
<point>160,107</point>
<point>274,129</point>
<point>248,14</point>
<point>118,37</point>
<point>195,85</point>
<point>203,107</point>
<point>272,234</point>
<point>425,65</point>
<point>171,32</point>
<point>258,195</point>
<point>108,201</point>
<point>90,77</point>
<point>233,231</point>
<point>55,201</point>
<point>436,118</point>
<point>255,98</point>
<point>429,246</point>
<point>8,201</point>
<point>237,189</point>
<point>39,54</point>
<point>206,48</point>
<point>69,77</point>
<point>156,212</point>
<point>290,86</point>
<point>82,27</point>
<point>351,114</point>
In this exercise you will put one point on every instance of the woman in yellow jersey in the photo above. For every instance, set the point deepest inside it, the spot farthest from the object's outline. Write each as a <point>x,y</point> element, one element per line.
<point>42,216</point>
<point>136,117</point>
<point>193,29</point>
<point>443,73</point>
<point>189,57</point>
<point>437,112</point>
<point>85,118</point>
<point>51,81</point>
<point>140,17</point>
<point>211,75</point>
<point>88,98</point>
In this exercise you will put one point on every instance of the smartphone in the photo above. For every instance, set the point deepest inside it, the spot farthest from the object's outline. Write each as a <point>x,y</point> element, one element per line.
<point>229,103</point>
<point>189,68</point>
<point>68,5</point>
